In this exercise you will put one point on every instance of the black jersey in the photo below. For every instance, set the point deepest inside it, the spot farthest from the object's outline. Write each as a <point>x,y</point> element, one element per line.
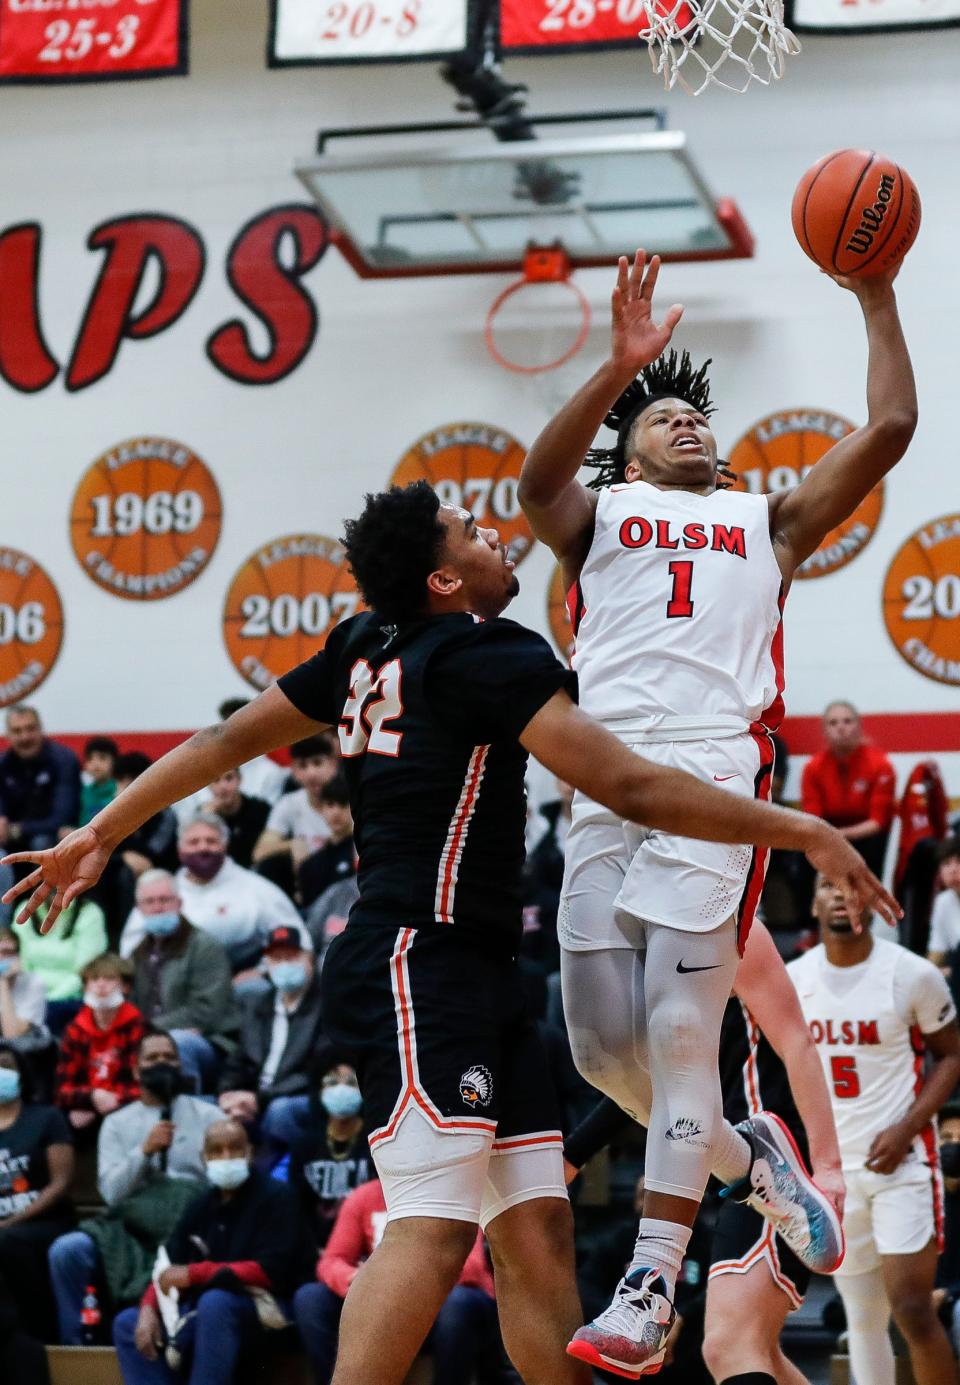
<point>752,1076</point>
<point>428,715</point>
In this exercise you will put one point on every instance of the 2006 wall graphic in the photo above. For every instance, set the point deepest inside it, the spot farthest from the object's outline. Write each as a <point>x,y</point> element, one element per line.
<point>265,267</point>
<point>31,625</point>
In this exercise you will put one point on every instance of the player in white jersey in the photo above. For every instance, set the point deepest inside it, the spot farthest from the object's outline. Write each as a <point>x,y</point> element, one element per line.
<point>676,588</point>
<point>874,1009</point>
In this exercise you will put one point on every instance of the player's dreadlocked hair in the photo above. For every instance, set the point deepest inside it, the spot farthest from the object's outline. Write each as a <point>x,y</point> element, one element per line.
<point>392,548</point>
<point>668,377</point>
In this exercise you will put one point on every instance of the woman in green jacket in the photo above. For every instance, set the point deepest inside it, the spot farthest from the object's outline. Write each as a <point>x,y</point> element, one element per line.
<point>79,935</point>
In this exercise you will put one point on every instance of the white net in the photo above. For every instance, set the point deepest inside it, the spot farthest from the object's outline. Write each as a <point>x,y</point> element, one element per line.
<point>725,43</point>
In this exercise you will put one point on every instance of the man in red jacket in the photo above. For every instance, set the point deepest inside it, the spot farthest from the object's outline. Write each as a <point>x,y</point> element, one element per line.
<point>98,1051</point>
<point>465,1329</point>
<point>851,784</point>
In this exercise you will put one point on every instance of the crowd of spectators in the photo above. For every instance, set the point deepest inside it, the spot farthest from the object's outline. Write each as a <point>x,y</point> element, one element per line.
<point>184,1168</point>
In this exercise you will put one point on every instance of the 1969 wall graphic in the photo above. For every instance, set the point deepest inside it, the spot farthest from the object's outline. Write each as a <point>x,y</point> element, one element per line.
<point>265,266</point>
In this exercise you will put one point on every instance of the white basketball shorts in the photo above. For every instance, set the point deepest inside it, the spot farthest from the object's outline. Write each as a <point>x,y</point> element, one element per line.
<point>890,1214</point>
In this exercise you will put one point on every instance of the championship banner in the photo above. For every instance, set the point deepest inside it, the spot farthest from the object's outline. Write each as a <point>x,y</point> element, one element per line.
<point>573,26</point>
<point>779,451</point>
<point>31,626</point>
<point>312,32</point>
<point>73,41</point>
<point>871,16</point>
<point>282,604</point>
<point>477,467</point>
<point>921,600</point>
<point>145,519</point>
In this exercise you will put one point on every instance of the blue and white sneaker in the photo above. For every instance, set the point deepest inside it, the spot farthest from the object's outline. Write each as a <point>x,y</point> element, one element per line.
<point>780,1188</point>
<point>629,1338</point>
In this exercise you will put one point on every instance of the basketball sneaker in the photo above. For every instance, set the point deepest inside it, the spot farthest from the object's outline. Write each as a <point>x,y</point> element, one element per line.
<point>779,1187</point>
<point>630,1336</point>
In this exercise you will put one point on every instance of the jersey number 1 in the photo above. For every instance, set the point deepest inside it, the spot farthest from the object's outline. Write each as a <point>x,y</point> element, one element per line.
<point>680,603</point>
<point>374,700</point>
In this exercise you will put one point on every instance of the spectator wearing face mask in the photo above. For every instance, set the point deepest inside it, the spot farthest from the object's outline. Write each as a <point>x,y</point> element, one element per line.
<point>235,906</point>
<point>23,998</point>
<point>267,1074</point>
<point>244,816</point>
<point>330,1157</point>
<point>160,1137</point>
<point>182,981</point>
<point>337,858</point>
<point>236,1257</point>
<point>99,785</point>
<point>36,1169</point>
<point>95,1074</point>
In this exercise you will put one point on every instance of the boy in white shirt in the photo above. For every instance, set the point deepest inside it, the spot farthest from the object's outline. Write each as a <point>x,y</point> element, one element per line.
<point>945,918</point>
<point>296,826</point>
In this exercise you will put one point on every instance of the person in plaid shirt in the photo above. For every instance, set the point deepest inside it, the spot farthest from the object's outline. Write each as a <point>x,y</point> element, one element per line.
<point>95,1074</point>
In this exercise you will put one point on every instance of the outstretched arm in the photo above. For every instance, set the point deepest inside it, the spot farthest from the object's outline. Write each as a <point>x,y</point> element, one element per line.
<point>76,863</point>
<point>768,993</point>
<point>578,750</point>
<point>801,518</point>
<point>559,508</point>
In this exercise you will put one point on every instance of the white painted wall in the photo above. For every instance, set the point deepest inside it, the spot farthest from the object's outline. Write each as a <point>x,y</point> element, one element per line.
<point>218,147</point>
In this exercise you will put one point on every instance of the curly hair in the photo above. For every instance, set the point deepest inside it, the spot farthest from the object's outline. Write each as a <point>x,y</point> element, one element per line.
<point>668,377</point>
<point>392,548</point>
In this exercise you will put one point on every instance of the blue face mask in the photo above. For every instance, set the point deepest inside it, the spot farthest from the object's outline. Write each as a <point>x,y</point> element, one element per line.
<point>341,1100</point>
<point>228,1173</point>
<point>288,976</point>
<point>5,964</point>
<point>9,1084</point>
<point>162,925</point>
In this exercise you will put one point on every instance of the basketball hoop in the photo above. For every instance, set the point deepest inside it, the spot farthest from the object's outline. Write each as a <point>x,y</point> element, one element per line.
<point>542,264</point>
<point>724,43</point>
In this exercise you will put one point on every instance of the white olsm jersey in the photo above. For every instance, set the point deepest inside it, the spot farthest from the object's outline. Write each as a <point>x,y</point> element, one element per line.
<point>868,1022</point>
<point>678,613</point>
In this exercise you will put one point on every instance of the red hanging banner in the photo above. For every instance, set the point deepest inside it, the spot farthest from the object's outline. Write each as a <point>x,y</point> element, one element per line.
<point>545,26</point>
<point>91,40</point>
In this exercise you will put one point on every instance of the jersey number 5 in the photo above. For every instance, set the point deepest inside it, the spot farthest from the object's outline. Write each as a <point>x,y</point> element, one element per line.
<point>374,701</point>
<point>846,1079</point>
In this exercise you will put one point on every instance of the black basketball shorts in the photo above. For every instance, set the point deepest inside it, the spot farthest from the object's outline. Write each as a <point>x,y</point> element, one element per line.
<point>742,1239</point>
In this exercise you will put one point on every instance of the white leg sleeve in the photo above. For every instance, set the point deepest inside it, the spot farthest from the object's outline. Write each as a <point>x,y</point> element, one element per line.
<point>868,1325</point>
<point>603,1006</point>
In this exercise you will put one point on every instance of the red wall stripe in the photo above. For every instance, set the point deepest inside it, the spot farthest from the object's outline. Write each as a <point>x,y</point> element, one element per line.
<point>913,732</point>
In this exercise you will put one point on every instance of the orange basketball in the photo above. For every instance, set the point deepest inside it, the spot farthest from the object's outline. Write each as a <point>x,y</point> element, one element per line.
<point>856,213</point>
<point>283,602</point>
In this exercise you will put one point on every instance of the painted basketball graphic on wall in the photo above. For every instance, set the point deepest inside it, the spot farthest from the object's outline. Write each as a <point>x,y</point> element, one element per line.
<point>921,600</point>
<point>283,602</point>
<point>476,466</point>
<point>146,518</point>
<point>558,616</point>
<point>779,451</point>
<point>31,625</point>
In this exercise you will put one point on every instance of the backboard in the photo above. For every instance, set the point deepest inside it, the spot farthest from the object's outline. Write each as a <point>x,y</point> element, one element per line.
<point>450,199</point>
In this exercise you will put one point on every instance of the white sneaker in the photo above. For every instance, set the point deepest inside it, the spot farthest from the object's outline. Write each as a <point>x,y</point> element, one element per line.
<point>629,1337</point>
<point>779,1187</point>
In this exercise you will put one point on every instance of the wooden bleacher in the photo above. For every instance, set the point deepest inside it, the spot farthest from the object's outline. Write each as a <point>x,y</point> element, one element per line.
<point>98,1366</point>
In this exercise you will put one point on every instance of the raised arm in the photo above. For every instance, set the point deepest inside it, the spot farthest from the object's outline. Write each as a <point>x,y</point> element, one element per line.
<point>559,508</point>
<point>76,863</point>
<point>765,988</point>
<point>801,518</point>
<point>575,748</point>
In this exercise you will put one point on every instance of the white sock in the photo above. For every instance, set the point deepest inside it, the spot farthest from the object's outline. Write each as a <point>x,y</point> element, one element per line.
<point>732,1155</point>
<point>661,1245</point>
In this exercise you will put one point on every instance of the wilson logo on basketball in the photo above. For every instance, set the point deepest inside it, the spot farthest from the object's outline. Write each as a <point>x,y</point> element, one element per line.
<point>31,625</point>
<point>871,218</point>
<point>475,466</point>
<point>783,448</point>
<point>145,519</point>
<point>282,604</point>
<point>921,600</point>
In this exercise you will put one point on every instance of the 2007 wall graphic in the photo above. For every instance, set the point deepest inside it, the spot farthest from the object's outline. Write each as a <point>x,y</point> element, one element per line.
<point>265,267</point>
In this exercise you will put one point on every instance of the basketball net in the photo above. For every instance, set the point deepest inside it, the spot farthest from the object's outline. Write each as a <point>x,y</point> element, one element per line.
<point>531,333</point>
<point>724,43</point>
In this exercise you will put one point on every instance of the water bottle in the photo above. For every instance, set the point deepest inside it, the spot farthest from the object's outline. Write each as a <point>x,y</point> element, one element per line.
<point>90,1317</point>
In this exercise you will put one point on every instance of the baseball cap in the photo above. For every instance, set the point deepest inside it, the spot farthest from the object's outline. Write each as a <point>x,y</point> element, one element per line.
<point>284,936</point>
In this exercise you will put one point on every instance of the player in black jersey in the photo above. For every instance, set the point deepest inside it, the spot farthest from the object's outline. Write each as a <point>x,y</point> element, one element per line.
<point>767,1061</point>
<point>437,702</point>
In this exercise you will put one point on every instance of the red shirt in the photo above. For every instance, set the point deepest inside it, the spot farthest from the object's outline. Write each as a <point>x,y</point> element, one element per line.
<point>357,1232</point>
<point>847,791</point>
<point>92,1057</point>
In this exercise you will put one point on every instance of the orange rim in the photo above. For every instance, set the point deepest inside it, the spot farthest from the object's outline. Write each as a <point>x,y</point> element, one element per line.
<point>567,355</point>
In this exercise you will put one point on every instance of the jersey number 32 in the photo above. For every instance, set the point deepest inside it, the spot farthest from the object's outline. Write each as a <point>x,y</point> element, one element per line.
<point>374,701</point>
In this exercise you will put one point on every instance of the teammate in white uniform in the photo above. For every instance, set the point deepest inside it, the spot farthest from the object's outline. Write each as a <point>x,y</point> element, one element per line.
<point>676,589</point>
<point>874,1009</point>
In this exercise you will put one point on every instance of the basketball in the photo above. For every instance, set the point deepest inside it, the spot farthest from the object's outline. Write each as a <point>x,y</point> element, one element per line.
<point>856,213</point>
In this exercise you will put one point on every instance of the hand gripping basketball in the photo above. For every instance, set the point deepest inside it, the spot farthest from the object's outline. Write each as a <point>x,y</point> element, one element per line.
<point>637,339</point>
